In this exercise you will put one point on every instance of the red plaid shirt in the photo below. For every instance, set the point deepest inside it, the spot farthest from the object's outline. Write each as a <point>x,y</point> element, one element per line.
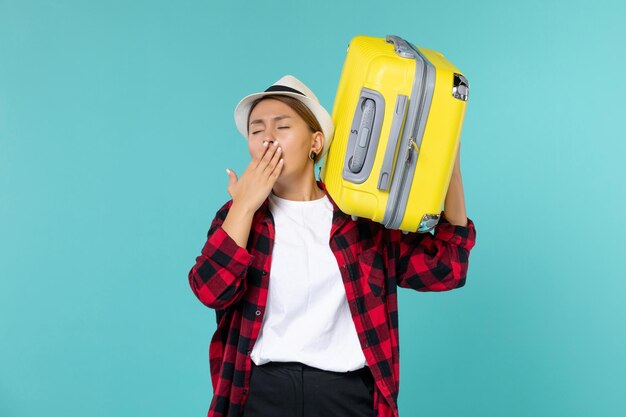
<point>373,261</point>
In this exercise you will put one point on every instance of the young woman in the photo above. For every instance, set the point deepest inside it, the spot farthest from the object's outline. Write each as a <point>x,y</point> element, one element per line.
<point>305,296</point>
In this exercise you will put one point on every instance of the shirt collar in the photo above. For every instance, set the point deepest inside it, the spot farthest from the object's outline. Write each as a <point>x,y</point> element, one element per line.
<point>339,216</point>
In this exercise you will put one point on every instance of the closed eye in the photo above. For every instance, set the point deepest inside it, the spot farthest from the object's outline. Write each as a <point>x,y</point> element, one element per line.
<point>259,131</point>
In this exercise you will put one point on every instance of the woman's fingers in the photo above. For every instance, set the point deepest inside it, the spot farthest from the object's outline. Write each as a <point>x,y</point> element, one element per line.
<point>259,156</point>
<point>278,154</point>
<point>267,155</point>
<point>257,180</point>
<point>232,182</point>
<point>278,169</point>
<point>232,177</point>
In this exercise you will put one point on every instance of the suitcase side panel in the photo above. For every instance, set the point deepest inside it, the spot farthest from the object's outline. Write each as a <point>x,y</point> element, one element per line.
<point>439,145</point>
<point>421,97</point>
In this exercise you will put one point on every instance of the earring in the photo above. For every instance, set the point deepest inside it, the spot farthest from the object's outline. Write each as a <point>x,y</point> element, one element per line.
<point>312,155</point>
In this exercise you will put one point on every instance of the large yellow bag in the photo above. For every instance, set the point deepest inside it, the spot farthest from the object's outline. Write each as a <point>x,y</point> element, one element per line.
<point>398,115</point>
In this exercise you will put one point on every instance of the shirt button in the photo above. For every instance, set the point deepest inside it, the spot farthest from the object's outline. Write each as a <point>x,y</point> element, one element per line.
<point>258,312</point>
<point>245,391</point>
<point>264,272</point>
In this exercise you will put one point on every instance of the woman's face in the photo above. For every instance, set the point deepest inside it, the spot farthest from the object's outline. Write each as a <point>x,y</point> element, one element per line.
<point>274,121</point>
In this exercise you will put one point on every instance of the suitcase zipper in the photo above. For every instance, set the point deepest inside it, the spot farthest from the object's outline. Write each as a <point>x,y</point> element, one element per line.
<point>411,145</point>
<point>405,170</point>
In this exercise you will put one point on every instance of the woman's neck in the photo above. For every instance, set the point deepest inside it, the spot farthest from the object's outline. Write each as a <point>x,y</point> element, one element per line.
<point>303,190</point>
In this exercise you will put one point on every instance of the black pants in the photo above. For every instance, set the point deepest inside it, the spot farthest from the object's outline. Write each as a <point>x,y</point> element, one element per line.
<point>293,389</point>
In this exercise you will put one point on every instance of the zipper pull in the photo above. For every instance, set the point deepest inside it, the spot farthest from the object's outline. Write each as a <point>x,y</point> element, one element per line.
<point>409,153</point>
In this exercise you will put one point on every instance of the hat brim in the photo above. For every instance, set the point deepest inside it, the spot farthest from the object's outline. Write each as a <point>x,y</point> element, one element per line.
<point>243,109</point>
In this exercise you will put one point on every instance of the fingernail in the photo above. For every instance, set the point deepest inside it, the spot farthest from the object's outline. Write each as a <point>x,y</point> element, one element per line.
<point>265,143</point>
<point>275,143</point>
<point>228,171</point>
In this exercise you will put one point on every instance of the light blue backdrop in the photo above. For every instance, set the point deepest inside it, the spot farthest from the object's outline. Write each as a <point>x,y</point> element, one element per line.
<point>116,128</point>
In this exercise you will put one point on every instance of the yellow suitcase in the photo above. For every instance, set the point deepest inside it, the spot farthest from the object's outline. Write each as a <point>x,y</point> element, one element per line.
<point>398,115</point>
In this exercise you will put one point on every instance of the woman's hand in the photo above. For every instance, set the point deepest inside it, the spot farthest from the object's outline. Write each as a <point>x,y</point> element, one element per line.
<point>257,181</point>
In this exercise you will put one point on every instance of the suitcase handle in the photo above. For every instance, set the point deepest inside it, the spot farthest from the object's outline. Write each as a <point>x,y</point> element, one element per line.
<point>386,171</point>
<point>363,138</point>
<point>401,47</point>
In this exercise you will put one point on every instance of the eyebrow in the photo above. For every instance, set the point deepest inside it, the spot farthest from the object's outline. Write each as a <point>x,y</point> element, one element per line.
<point>277,118</point>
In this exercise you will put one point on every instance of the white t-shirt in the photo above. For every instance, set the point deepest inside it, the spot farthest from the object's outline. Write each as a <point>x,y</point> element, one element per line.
<point>307,318</point>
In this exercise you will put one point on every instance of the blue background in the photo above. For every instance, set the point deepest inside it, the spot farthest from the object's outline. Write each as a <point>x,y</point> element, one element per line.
<point>115,131</point>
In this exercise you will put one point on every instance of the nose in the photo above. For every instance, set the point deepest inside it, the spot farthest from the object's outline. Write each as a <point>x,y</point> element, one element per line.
<point>269,137</point>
